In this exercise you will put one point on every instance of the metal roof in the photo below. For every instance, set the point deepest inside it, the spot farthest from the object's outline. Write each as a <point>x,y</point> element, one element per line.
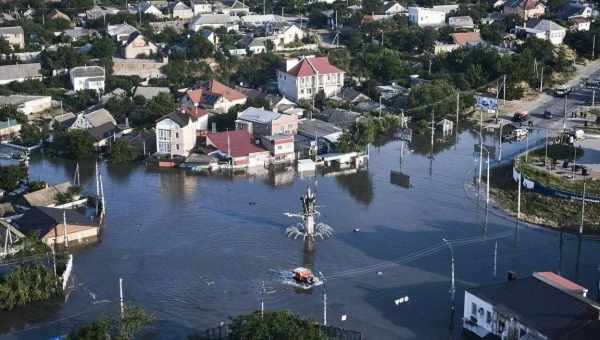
<point>87,71</point>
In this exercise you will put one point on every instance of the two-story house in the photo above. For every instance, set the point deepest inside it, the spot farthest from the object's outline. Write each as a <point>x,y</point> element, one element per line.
<point>15,36</point>
<point>201,7</point>
<point>304,77</point>
<point>179,10</point>
<point>176,132</point>
<point>214,96</point>
<point>137,45</point>
<point>545,30</point>
<point>525,9</point>
<point>424,17</point>
<point>88,78</point>
<point>261,122</point>
<point>99,123</point>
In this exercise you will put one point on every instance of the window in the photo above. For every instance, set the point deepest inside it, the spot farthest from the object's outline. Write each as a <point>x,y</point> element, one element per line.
<point>488,318</point>
<point>473,308</point>
<point>177,146</point>
<point>176,134</point>
<point>164,134</point>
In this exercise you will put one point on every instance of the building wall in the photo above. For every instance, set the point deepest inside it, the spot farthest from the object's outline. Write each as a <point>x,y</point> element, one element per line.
<point>201,8</point>
<point>425,17</point>
<point>75,233</point>
<point>85,83</point>
<point>10,132</point>
<point>36,105</point>
<point>306,87</point>
<point>171,139</point>
<point>144,68</point>
<point>285,124</point>
<point>183,14</point>
<point>17,40</point>
<point>138,48</point>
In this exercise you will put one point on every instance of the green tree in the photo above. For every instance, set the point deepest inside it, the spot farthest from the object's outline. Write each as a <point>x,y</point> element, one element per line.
<point>134,321</point>
<point>11,176</point>
<point>74,144</point>
<point>26,284</point>
<point>199,47</point>
<point>122,152</point>
<point>104,47</point>
<point>274,325</point>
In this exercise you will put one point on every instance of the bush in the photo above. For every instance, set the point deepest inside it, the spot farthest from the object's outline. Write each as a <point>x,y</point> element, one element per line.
<point>28,283</point>
<point>274,325</point>
<point>11,176</point>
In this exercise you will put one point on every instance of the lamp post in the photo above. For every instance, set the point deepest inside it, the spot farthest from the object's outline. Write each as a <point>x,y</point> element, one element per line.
<point>452,286</point>
<point>324,299</point>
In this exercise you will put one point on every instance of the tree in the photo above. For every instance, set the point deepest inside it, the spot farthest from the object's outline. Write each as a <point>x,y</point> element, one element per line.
<point>274,325</point>
<point>258,70</point>
<point>10,112</point>
<point>74,144</point>
<point>134,321</point>
<point>121,152</point>
<point>199,47</point>
<point>104,47</point>
<point>28,283</point>
<point>11,176</point>
<point>438,96</point>
<point>31,134</point>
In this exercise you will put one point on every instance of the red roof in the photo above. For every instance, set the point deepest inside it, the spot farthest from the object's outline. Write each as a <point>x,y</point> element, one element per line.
<point>240,143</point>
<point>559,281</point>
<point>217,88</point>
<point>195,95</point>
<point>311,66</point>
<point>194,112</point>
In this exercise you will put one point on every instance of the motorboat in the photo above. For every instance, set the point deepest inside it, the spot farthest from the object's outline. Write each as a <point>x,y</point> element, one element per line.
<point>304,276</point>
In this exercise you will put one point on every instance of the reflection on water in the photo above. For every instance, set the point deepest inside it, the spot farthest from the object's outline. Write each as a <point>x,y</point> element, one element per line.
<point>359,185</point>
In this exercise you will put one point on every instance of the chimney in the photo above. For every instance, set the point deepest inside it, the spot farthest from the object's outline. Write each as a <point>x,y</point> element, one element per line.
<point>511,275</point>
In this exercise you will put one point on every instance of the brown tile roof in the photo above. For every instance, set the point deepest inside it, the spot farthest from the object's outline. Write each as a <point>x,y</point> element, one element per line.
<point>466,38</point>
<point>217,88</point>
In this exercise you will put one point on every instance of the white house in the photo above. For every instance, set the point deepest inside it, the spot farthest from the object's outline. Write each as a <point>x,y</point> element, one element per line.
<point>545,30</point>
<point>201,7</point>
<point>20,72</point>
<point>89,120</point>
<point>393,8</point>
<point>423,17</point>
<point>214,21</point>
<point>88,78</point>
<point>304,77</point>
<point>148,8</point>
<point>15,36</point>
<point>176,132</point>
<point>235,7</point>
<point>290,34</point>
<point>27,104</point>
<point>180,10</point>
<point>121,32</point>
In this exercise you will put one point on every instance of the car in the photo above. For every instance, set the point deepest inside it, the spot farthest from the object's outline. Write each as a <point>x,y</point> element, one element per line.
<point>562,91</point>
<point>520,116</point>
<point>547,114</point>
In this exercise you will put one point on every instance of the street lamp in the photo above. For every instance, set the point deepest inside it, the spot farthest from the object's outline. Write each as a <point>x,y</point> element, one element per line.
<point>324,298</point>
<point>452,286</point>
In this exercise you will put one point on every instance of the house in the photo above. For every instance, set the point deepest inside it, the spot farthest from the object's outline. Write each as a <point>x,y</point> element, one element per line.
<point>467,39</point>
<point>261,20</point>
<point>201,7</point>
<point>281,147</point>
<point>87,78</point>
<point>424,17</point>
<point>99,12</point>
<point>47,197</point>
<point>579,24</point>
<point>259,45</point>
<point>572,11</point>
<point>525,9</point>
<point>214,21</point>
<point>441,48</point>
<point>544,29</point>
<point>306,76</point>
<point>149,92</point>
<point>148,8</point>
<point>9,129</point>
<point>20,72</point>
<point>137,45</point>
<point>121,32</point>
<point>159,26</point>
<point>290,34</point>
<point>393,8</point>
<point>350,95</point>
<point>55,14</point>
<point>49,224</point>
<point>325,135</point>
<point>77,33</point>
<point>341,118</point>
<point>542,306</point>
<point>14,35</point>
<point>261,122</point>
<point>235,7</point>
<point>392,90</point>
<point>143,68</point>
<point>27,104</point>
<point>179,10</point>
<point>176,132</point>
<point>238,148</point>
<point>464,22</point>
<point>214,96</point>
<point>99,123</point>
<point>6,18</point>
<point>211,36</point>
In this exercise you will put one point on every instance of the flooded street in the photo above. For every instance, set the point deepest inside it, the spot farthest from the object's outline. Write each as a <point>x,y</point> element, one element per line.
<point>194,250</point>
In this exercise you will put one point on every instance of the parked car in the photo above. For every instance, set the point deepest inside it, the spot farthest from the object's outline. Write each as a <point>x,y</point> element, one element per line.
<point>547,114</point>
<point>520,116</point>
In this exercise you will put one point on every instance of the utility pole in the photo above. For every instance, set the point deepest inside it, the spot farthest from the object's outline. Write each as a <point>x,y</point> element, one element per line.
<point>504,90</point>
<point>593,46</point>
<point>495,258</point>
<point>565,112</point>
<point>480,149</point>
<point>542,80</point>
<point>457,109</point>
<point>452,286</point>
<point>582,208</point>
<point>593,98</point>
<point>380,106</point>
<point>65,237</point>
<point>519,200</point>
<point>121,298</point>
<point>54,257</point>
<point>526,146</point>
<point>324,299</point>
<point>487,193</point>
<point>546,152</point>
<point>262,301</point>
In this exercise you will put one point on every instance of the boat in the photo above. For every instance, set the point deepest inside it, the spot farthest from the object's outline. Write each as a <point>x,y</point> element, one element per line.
<point>304,276</point>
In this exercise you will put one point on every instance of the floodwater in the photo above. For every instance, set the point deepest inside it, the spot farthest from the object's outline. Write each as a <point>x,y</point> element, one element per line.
<point>195,250</point>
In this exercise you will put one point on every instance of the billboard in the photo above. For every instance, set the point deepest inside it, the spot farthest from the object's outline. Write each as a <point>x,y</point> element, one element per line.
<point>487,104</point>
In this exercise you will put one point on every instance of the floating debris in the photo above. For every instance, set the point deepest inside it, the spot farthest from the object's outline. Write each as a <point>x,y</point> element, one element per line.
<point>356,230</point>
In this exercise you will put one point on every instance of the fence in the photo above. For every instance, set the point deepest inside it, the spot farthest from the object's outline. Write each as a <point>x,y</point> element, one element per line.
<point>331,332</point>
